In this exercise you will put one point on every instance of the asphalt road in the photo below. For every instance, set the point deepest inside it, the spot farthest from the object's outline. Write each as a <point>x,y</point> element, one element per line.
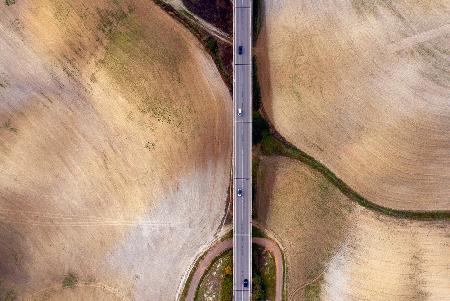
<point>224,245</point>
<point>242,152</point>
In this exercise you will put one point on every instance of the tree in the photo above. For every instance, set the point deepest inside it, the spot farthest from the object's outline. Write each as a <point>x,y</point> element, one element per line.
<point>258,293</point>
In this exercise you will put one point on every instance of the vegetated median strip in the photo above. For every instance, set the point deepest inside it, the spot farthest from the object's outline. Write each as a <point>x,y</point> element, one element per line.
<point>208,41</point>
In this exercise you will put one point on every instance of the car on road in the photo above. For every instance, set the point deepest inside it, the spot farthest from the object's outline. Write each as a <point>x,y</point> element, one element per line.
<point>239,112</point>
<point>240,49</point>
<point>239,192</point>
<point>245,282</point>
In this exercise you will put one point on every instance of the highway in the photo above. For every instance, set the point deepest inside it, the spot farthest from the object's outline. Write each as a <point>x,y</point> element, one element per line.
<point>242,150</point>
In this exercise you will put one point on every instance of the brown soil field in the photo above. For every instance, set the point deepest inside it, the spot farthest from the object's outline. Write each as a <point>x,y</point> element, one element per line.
<point>115,150</point>
<point>364,87</point>
<point>351,253</point>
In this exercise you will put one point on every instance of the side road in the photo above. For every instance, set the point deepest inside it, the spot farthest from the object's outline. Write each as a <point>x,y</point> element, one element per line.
<point>221,247</point>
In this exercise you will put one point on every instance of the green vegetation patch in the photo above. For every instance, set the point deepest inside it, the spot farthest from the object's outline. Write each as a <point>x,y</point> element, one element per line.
<point>256,89</point>
<point>260,125</point>
<point>217,281</point>
<point>255,167</point>
<point>10,2</point>
<point>258,288</point>
<point>212,46</point>
<point>187,14</point>
<point>312,291</point>
<point>264,275</point>
<point>256,232</point>
<point>8,126</point>
<point>70,281</point>
<point>257,18</point>
<point>6,294</point>
<point>228,235</point>
<point>260,128</point>
<point>226,292</point>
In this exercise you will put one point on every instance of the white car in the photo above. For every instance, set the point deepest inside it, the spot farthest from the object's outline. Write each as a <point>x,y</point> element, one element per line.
<point>239,112</point>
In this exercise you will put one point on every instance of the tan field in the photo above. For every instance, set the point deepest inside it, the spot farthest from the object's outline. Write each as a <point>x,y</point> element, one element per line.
<point>364,87</point>
<point>114,150</point>
<point>347,251</point>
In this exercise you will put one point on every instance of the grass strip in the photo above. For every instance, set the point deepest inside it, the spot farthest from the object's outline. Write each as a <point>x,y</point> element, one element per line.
<point>257,18</point>
<point>274,144</point>
<point>187,284</point>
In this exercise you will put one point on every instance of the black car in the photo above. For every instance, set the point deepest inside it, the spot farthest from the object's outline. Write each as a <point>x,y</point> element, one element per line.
<point>245,282</point>
<point>240,49</point>
<point>239,192</point>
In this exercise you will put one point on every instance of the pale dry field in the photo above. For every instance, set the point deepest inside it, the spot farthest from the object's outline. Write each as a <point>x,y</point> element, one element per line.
<point>364,87</point>
<point>354,253</point>
<point>114,149</point>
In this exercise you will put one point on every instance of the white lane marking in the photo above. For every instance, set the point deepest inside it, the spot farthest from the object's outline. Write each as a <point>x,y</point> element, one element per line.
<point>242,211</point>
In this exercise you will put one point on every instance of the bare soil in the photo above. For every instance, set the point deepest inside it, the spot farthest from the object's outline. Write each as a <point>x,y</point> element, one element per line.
<point>337,250</point>
<point>363,87</point>
<point>113,123</point>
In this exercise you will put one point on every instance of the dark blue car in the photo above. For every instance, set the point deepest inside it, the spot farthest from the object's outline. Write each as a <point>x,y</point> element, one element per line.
<point>245,282</point>
<point>240,50</point>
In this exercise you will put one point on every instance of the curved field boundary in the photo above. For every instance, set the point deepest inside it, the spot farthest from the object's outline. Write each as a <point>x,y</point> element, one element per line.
<point>224,245</point>
<point>276,144</point>
<point>273,143</point>
<point>280,146</point>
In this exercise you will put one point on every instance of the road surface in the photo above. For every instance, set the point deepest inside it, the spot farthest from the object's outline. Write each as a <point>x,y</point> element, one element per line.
<point>242,152</point>
<point>224,245</point>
